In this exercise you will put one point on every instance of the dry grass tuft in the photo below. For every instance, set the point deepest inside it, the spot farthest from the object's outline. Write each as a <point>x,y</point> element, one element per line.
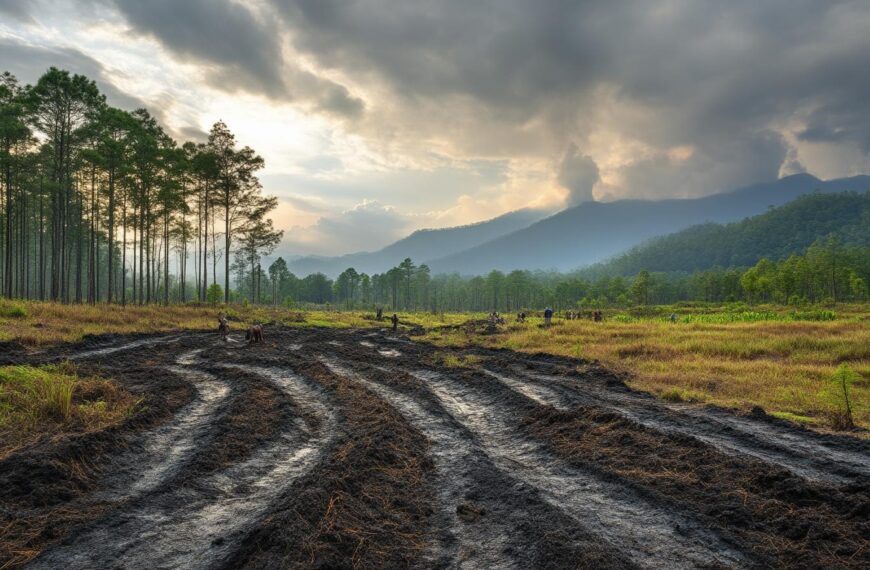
<point>36,402</point>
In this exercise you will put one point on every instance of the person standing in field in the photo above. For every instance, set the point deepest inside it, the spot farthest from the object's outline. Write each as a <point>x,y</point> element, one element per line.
<point>395,320</point>
<point>223,326</point>
<point>548,316</point>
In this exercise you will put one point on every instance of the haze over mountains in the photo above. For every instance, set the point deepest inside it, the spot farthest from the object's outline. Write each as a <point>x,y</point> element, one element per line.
<point>420,245</point>
<point>585,234</point>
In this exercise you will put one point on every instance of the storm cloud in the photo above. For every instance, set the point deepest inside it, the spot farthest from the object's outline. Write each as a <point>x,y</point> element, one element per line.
<point>652,99</point>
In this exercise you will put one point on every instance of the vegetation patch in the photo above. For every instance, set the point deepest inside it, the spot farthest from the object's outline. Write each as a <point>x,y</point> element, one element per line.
<point>9,310</point>
<point>48,400</point>
<point>452,360</point>
<point>771,359</point>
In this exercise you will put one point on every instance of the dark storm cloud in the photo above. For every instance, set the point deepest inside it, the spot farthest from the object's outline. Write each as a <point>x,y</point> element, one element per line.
<point>28,62</point>
<point>224,33</point>
<point>501,79</point>
<point>242,48</point>
<point>18,9</point>
<point>714,75</point>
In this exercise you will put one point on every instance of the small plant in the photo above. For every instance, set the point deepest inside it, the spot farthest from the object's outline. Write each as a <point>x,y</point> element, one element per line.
<point>673,395</point>
<point>837,394</point>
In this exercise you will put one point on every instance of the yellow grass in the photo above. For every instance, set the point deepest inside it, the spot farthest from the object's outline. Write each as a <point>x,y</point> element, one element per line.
<point>44,401</point>
<point>780,366</point>
<point>43,323</point>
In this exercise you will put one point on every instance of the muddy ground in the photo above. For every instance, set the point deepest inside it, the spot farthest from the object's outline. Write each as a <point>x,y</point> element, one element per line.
<point>357,449</point>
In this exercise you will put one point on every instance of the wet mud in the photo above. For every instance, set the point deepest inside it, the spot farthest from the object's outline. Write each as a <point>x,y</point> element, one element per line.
<point>360,449</point>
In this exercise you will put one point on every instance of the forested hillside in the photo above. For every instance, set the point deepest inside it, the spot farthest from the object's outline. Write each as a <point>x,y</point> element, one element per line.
<point>774,235</point>
<point>595,231</point>
<point>101,204</point>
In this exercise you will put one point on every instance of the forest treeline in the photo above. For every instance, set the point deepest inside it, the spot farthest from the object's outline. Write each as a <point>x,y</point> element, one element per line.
<point>98,204</point>
<point>827,271</point>
<point>101,204</point>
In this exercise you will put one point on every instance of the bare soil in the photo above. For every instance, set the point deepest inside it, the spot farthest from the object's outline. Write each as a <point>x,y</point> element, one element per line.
<point>329,448</point>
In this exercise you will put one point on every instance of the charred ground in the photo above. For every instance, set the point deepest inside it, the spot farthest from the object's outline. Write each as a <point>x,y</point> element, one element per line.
<point>360,449</point>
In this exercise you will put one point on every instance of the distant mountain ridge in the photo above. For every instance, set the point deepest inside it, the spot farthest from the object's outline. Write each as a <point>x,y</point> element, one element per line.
<point>420,245</point>
<point>774,235</point>
<point>595,231</point>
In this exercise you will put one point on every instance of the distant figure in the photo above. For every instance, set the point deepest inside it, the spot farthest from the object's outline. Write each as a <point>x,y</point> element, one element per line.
<point>380,314</point>
<point>548,316</point>
<point>223,326</point>
<point>673,317</point>
<point>254,334</point>
<point>395,320</point>
<point>596,316</point>
<point>521,317</point>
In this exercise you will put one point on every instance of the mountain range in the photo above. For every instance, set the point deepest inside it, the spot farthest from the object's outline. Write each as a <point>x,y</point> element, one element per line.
<point>420,245</point>
<point>775,234</point>
<point>580,236</point>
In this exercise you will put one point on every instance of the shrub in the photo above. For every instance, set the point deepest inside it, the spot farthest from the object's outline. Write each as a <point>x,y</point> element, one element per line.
<point>12,311</point>
<point>214,294</point>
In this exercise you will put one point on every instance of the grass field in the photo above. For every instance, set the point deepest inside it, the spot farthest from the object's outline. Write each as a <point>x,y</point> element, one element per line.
<point>780,359</point>
<point>34,324</point>
<point>772,359</point>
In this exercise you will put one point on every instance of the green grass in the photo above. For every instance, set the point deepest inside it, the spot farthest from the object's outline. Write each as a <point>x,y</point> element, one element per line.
<point>47,400</point>
<point>10,310</point>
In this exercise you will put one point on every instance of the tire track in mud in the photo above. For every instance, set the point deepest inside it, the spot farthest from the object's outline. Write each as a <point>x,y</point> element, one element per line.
<point>805,455</point>
<point>484,517</point>
<point>167,447</point>
<point>649,535</point>
<point>104,351</point>
<point>459,547</point>
<point>507,489</point>
<point>196,526</point>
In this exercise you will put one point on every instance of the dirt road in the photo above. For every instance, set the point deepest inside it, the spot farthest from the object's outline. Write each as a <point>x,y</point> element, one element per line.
<point>358,449</point>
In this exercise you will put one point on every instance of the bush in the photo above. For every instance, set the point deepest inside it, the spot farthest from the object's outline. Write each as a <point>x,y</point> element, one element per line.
<point>214,294</point>
<point>12,311</point>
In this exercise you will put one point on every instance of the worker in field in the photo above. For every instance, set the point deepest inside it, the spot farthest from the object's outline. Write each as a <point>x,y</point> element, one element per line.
<point>395,320</point>
<point>548,316</point>
<point>223,326</point>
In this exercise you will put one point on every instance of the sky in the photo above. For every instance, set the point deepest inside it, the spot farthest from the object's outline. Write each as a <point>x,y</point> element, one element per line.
<point>379,117</point>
